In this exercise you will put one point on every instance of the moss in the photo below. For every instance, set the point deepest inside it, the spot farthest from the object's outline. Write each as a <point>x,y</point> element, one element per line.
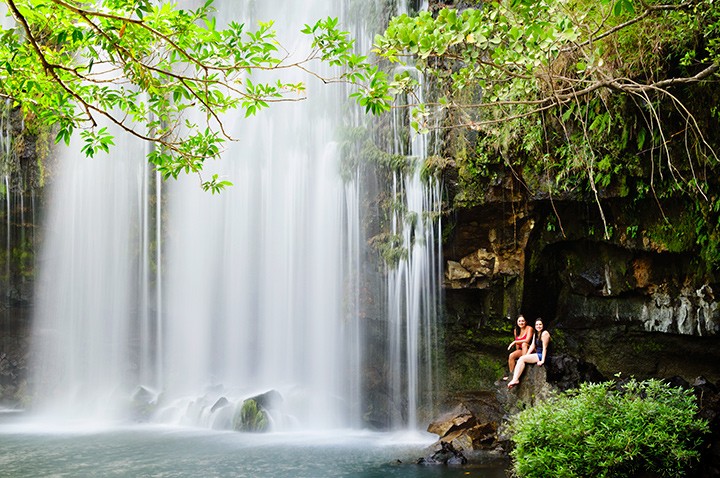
<point>474,372</point>
<point>250,417</point>
<point>559,340</point>
<point>647,346</point>
<point>487,338</point>
<point>676,236</point>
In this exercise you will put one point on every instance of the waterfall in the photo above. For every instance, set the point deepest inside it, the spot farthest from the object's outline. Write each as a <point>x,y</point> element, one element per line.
<point>413,288</point>
<point>161,289</point>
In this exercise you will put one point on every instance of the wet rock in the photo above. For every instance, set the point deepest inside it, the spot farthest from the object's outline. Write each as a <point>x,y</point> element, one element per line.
<point>461,417</point>
<point>268,400</point>
<point>221,402</point>
<point>253,415</point>
<point>444,454</point>
<point>143,404</point>
<point>471,425</point>
<point>222,418</point>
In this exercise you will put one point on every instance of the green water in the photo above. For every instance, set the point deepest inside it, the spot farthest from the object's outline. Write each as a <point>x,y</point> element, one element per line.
<point>36,450</point>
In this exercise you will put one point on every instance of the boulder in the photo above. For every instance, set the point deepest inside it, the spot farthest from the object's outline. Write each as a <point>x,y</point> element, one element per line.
<point>221,402</point>
<point>253,415</point>
<point>444,454</point>
<point>479,263</point>
<point>471,424</point>
<point>455,271</point>
<point>143,404</point>
<point>460,417</point>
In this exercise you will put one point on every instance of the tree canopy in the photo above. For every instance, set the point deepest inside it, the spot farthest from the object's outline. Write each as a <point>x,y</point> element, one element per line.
<point>547,82</point>
<point>147,66</point>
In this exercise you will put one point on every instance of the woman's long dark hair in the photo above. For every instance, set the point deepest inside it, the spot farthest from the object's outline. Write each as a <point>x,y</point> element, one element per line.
<point>539,336</point>
<point>516,328</point>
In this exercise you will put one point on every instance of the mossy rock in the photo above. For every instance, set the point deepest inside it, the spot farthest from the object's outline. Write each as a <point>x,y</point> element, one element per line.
<point>473,372</point>
<point>251,417</point>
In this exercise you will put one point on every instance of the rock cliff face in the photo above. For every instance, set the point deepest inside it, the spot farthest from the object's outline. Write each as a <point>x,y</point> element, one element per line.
<point>623,304</point>
<point>17,274</point>
<point>16,292</point>
<point>25,167</point>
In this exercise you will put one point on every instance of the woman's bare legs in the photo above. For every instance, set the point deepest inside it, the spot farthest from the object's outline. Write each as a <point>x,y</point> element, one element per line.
<point>513,357</point>
<point>529,358</point>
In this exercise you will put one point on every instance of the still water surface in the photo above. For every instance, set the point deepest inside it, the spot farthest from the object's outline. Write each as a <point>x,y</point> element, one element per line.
<point>33,450</point>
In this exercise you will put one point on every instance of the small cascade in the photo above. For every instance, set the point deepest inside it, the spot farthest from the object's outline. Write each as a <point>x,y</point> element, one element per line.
<point>413,296</point>
<point>413,282</point>
<point>406,292</point>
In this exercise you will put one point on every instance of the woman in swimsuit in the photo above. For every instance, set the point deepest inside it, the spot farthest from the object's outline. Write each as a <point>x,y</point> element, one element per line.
<point>536,354</point>
<point>523,337</point>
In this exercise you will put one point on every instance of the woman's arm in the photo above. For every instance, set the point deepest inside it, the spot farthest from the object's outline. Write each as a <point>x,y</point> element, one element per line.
<point>529,334</point>
<point>545,337</point>
<point>531,349</point>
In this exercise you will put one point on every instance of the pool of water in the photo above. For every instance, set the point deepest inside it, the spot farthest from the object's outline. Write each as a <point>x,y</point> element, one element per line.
<point>32,449</point>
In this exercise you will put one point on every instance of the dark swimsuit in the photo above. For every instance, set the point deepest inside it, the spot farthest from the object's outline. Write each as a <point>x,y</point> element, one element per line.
<point>539,345</point>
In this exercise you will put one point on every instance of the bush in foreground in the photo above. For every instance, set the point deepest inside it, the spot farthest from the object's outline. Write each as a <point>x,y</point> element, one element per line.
<point>606,430</point>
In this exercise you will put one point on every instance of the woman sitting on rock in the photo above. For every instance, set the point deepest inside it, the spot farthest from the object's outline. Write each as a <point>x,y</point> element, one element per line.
<point>536,354</point>
<point>523,337</point>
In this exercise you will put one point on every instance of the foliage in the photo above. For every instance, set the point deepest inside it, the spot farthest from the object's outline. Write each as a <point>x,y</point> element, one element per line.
<point>576,98</point>
<point>161,73</point>
<point>604,430</point>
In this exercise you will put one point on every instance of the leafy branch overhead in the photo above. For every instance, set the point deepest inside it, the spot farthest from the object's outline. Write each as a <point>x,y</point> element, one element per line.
<point>161,73</point>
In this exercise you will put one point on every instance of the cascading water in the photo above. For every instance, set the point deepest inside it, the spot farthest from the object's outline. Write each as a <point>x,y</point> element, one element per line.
<point>413,289</point>
<point>210,297</point>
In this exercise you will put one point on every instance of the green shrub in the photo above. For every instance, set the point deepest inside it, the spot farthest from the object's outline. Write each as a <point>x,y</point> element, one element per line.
<point>605,430</point>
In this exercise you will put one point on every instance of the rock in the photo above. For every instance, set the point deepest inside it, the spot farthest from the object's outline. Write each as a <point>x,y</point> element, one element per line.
<point>253,415</point>
<point>455,271</point>
<point>221,402</point>
<point>451,420</point>
<point>566,372</point>
<point>222,419</point>
<point>143,404</point>
<point>479,263</point>
<point>533,388</point>
<point>268,400</point>
<point>709,403</point>
<point>701,384</point>
<point>471,425</point>
<point>445,454</point>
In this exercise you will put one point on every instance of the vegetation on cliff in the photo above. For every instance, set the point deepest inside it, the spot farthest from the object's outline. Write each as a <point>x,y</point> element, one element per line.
<point>578,100</point>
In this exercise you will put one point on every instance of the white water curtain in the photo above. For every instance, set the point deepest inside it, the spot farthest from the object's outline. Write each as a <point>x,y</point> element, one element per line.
<point>202,296</point>
<point>250,296</point>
